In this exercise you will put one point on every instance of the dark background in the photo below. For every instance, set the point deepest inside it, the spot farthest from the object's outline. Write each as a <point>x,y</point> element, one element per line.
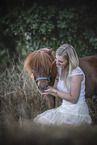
<point>83,37</point>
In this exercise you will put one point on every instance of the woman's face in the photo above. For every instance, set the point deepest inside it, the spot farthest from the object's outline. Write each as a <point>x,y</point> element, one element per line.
<point>60,61</point>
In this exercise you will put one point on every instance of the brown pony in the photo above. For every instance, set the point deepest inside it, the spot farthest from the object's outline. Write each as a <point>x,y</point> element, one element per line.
<point>41,61</point>
<point>89,66</point>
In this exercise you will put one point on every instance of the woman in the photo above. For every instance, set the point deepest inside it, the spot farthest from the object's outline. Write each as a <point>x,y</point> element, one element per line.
<point>70,86</point>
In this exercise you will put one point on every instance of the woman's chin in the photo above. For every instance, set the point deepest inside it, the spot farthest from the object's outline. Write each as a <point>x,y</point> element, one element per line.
<point>58,66</point>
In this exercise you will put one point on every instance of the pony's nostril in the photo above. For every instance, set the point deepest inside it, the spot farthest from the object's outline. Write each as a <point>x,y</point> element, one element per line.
<point>46,86</point>
<point>41,89</point>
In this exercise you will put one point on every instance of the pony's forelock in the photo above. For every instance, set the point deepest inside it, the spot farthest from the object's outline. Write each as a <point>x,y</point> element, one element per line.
<point>39,61</point>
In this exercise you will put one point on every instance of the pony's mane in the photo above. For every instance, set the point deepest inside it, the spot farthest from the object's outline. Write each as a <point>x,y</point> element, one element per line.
<point>39,61</point>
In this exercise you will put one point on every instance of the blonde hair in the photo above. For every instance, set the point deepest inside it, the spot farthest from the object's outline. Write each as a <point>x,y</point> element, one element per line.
<point>68,52</point>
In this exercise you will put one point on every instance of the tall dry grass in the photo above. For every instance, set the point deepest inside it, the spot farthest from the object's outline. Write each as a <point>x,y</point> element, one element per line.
<point>20,102</point>
<point>19,98</point>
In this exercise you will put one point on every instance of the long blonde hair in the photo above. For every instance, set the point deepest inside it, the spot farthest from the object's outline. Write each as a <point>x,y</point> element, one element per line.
<point>68,52</point>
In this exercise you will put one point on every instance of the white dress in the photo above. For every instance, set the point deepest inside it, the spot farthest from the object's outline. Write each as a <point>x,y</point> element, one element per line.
<point>67,114</point>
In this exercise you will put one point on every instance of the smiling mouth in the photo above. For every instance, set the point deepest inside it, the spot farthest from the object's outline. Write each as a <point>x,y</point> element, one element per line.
<point>58,65</point>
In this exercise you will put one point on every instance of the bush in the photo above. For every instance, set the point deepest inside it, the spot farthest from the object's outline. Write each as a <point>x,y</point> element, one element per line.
<point>41,26</point>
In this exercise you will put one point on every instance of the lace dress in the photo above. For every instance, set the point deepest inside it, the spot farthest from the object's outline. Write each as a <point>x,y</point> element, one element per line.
<point>68,113</point>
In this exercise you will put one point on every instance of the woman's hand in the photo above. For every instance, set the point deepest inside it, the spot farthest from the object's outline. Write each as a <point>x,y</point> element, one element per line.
<point>42,93</point>
<point>50,90</point>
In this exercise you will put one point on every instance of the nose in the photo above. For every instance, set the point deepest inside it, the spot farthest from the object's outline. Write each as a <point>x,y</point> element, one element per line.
<point>57,62</point>
<point>43,88</point>
<point>42,85</point>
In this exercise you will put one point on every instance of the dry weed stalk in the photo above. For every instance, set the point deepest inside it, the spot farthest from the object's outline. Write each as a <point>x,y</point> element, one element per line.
<point>20,101</point>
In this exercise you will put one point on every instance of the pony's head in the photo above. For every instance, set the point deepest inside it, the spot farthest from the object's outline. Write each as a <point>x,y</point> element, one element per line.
<point>41,64</point>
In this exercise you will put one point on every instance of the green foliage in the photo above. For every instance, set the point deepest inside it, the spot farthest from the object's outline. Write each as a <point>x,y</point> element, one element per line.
<point>49,26</point>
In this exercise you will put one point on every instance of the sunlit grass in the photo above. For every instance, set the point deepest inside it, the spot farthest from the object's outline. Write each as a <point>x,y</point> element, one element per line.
<point>20,102</point>
<point>19,96</point>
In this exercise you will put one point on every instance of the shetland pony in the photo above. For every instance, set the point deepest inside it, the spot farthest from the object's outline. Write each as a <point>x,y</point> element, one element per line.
<point>89,66</point>
<point>41,61</point>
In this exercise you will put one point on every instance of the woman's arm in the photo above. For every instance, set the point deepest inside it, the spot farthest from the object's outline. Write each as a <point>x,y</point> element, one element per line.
<point>74,91</point>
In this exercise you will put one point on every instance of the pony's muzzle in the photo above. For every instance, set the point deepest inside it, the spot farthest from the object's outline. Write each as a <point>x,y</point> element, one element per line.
<point>43,88</point>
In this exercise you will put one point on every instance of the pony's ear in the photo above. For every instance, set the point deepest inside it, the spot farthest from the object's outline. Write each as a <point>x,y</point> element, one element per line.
<point>29,52</point>
<point>50,50</point>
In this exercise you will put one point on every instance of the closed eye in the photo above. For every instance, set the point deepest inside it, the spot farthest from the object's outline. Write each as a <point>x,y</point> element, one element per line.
<point>59,60</point>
